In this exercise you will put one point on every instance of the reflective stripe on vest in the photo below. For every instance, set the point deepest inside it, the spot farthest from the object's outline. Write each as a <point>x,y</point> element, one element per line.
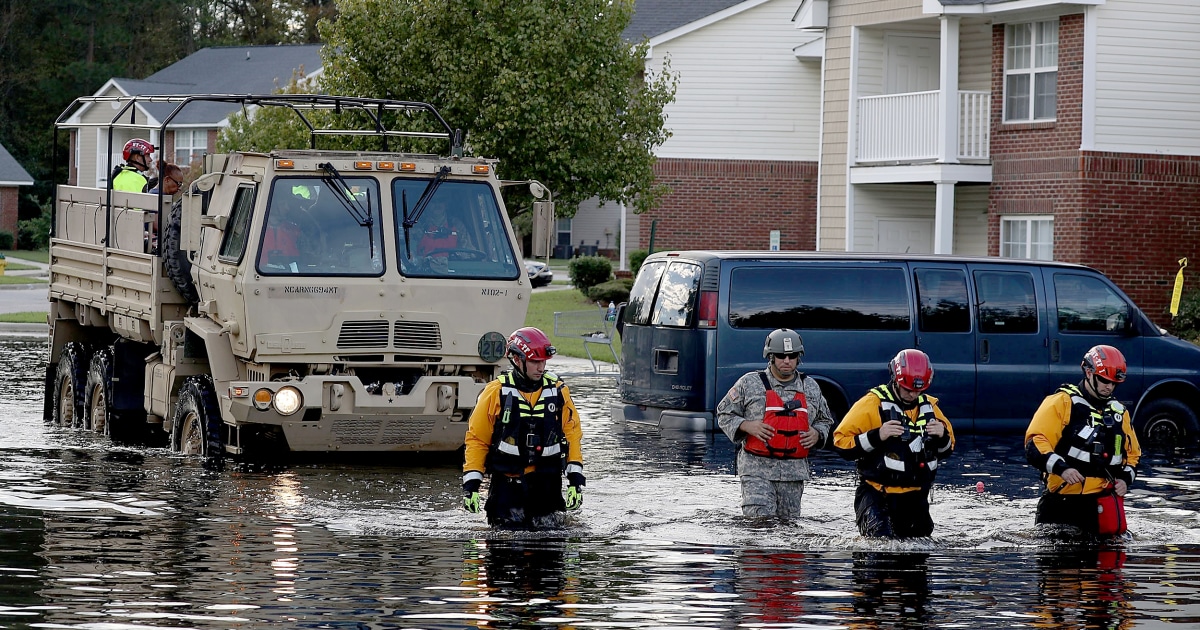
<point>528,435</point>
<point>790,422</point>
<point>903,461</point>
<point>1094,438</point>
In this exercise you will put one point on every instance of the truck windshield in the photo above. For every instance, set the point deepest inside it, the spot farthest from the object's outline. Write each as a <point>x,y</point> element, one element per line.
<point>460,234</point>
<point>308,231</point>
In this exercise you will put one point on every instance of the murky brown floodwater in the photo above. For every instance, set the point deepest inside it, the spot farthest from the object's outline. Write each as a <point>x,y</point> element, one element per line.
<point>93,536</point>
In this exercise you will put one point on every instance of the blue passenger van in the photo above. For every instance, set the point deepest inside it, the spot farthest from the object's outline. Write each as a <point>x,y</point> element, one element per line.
<point>1002,334</point>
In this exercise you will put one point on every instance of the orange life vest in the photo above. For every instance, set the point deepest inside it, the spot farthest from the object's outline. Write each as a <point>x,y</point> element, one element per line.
<point>790,421</point>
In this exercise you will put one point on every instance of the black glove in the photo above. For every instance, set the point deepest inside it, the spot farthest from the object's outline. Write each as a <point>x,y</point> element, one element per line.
<point>471,495</point>
<point>472,485</point>
<point>576,479</point>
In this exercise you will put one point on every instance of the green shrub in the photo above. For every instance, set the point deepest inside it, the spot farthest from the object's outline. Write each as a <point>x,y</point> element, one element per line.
<point>611,291</point>
<point>588,271</point>
<point>1186,325</point>
<point>6,240</point>
<point>636,258</point>
<point>35,233</point>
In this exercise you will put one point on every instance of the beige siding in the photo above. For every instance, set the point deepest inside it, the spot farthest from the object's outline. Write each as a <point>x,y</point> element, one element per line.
<point>1147,78</point>
<point>594,222</point>
<point>832,188</point>
<point>742,93</point>
<point>975,55</point>
<point>919,201</point>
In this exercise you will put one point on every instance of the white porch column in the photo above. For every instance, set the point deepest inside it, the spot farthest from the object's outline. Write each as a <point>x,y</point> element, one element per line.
<point>948,95</point>
<point>624,266</point>
<point>943,220</point>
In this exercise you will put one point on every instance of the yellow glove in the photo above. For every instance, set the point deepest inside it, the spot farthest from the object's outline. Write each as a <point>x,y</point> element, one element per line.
<point>471,502</point>
<point>574,497</point>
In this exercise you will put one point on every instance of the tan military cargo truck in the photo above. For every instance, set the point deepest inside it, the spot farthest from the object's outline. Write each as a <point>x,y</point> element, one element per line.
<point>299,300</point>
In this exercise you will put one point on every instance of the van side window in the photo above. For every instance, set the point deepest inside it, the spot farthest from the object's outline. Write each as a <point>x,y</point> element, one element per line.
<point>942,294</point>
<point>677,295</point>
<point>1086,304</point>
<point>813,297</point>
<point>641,296</point>
<point>1007,304</point>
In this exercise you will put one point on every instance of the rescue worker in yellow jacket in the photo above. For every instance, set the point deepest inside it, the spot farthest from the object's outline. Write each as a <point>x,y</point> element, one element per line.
<point>898,436</point>
<point>525,433</point>
<point>128,176</point>
<point>1082,441</point>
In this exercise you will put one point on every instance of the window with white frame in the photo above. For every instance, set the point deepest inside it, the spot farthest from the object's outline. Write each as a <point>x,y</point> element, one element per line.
<point>190,144</point>
<point>1030,71</point>
<point>1029,237</point>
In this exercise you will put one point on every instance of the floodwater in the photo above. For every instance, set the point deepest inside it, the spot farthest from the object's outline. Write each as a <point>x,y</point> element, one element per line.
<point>93,536</point>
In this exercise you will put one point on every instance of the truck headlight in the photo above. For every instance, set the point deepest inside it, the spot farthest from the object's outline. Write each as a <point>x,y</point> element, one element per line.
<point>288,401</point>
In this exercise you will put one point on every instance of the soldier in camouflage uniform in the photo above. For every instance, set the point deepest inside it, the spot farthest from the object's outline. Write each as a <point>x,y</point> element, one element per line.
<point>775,416</point>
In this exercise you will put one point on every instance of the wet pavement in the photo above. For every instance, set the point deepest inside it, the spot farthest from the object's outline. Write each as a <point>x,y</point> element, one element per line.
<point>96,536</point>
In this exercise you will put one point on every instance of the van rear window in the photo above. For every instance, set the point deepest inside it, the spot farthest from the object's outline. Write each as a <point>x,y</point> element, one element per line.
<point>664,294</point>
<point>641,296</point>
<point>810,297</point>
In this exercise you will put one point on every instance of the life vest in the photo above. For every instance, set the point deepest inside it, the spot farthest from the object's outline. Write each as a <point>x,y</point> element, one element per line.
<point>128,179</point>
<point>1093,439</point>
<point>527,435</point>
<point>790,421</point>
<point>280,240</point>
<point>439,238</point>
<point>908,460</point>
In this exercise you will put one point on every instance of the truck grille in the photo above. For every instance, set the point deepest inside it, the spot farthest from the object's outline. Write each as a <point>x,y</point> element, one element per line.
<point>417,335</point>
<point>355,431</point>
<point>363,334</point>
<point>409,431</point>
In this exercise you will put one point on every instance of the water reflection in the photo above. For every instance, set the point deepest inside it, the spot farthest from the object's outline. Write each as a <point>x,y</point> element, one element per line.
<point>891,590</point>
<point>1083,588</point>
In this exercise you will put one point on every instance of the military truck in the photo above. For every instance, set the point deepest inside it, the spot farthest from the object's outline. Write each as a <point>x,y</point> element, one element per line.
<point>307,299</point>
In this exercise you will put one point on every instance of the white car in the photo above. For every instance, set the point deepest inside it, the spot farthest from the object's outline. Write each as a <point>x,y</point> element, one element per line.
<point>540,274</point>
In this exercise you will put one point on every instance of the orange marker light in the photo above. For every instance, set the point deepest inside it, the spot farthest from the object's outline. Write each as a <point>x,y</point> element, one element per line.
<point>480,169</point>
<point>362,166</point>
<point>385,166</point>
<point>408,166</point>
<point>285,164</point>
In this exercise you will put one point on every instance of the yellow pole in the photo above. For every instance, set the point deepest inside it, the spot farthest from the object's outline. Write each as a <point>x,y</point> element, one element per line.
<point>1178,292</point>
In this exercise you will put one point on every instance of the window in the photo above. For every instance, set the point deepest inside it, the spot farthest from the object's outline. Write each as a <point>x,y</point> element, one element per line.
<point>234,244</point>
<point>1007,304</point>
<point>312,228</point>
<point>1086,304</point>
<point>942,294</point>
<point>459,232</point>
<point>190,145</point>
<point>1029,237</point>
<point>813,297</point>
<point>641,296</point>
<point>677,295</point>
<point>1030,71</point>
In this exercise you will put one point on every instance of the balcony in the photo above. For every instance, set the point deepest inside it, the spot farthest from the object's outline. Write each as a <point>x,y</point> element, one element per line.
<point>904,127</point>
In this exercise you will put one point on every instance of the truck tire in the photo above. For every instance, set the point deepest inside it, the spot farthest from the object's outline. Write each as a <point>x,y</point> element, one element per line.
<point>1166,422</point>
<point>100,412</point>
<point>175,260</point>
<point>197,425</point>
<point>70,384</point>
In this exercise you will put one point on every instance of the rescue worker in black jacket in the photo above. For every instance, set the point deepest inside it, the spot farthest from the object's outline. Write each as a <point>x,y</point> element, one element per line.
<point>525,433</point>
<point>898,435</point>
<point>1082,441</point>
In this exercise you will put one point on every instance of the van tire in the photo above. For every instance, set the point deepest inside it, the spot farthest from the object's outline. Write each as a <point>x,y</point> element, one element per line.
<point>175,260</point>
<point>1166,421</point>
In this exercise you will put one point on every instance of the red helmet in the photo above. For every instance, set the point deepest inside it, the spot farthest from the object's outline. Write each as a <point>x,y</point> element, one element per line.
<point>1106,362</point>
<point>911,369</point>
<point>137,146</point>
<point>531,344</point>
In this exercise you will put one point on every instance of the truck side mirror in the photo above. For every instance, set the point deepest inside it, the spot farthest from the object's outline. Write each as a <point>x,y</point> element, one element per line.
<point>543,227</point>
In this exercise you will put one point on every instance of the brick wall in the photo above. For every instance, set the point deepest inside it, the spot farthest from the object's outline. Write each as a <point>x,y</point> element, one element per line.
<point>1130,216</point>
<point>733,204</point>
<point>8,209</point>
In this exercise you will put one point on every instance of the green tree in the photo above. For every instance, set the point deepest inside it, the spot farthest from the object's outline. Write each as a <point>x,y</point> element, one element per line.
<point>546,86</point>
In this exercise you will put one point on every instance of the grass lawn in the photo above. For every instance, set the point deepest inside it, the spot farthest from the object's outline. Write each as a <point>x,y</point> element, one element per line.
<point>14,266</point>
<point>543,305</point>
<point>28,317</point>
<point>21,280</point>
<point>40,255</point>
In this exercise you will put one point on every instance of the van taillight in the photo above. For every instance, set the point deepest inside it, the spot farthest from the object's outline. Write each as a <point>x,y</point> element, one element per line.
<point>708,310</point>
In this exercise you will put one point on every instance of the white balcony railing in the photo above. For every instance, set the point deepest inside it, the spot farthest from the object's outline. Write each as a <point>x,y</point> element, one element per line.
<point>904,127</point>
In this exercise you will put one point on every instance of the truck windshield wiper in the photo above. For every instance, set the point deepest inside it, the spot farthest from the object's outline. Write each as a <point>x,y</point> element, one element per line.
<point>341,191</point>
<point>422,202</point>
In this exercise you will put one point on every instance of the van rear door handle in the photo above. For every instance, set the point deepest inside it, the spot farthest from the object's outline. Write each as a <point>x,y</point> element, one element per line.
<point>1055,351</point>
<point>984,351</point>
